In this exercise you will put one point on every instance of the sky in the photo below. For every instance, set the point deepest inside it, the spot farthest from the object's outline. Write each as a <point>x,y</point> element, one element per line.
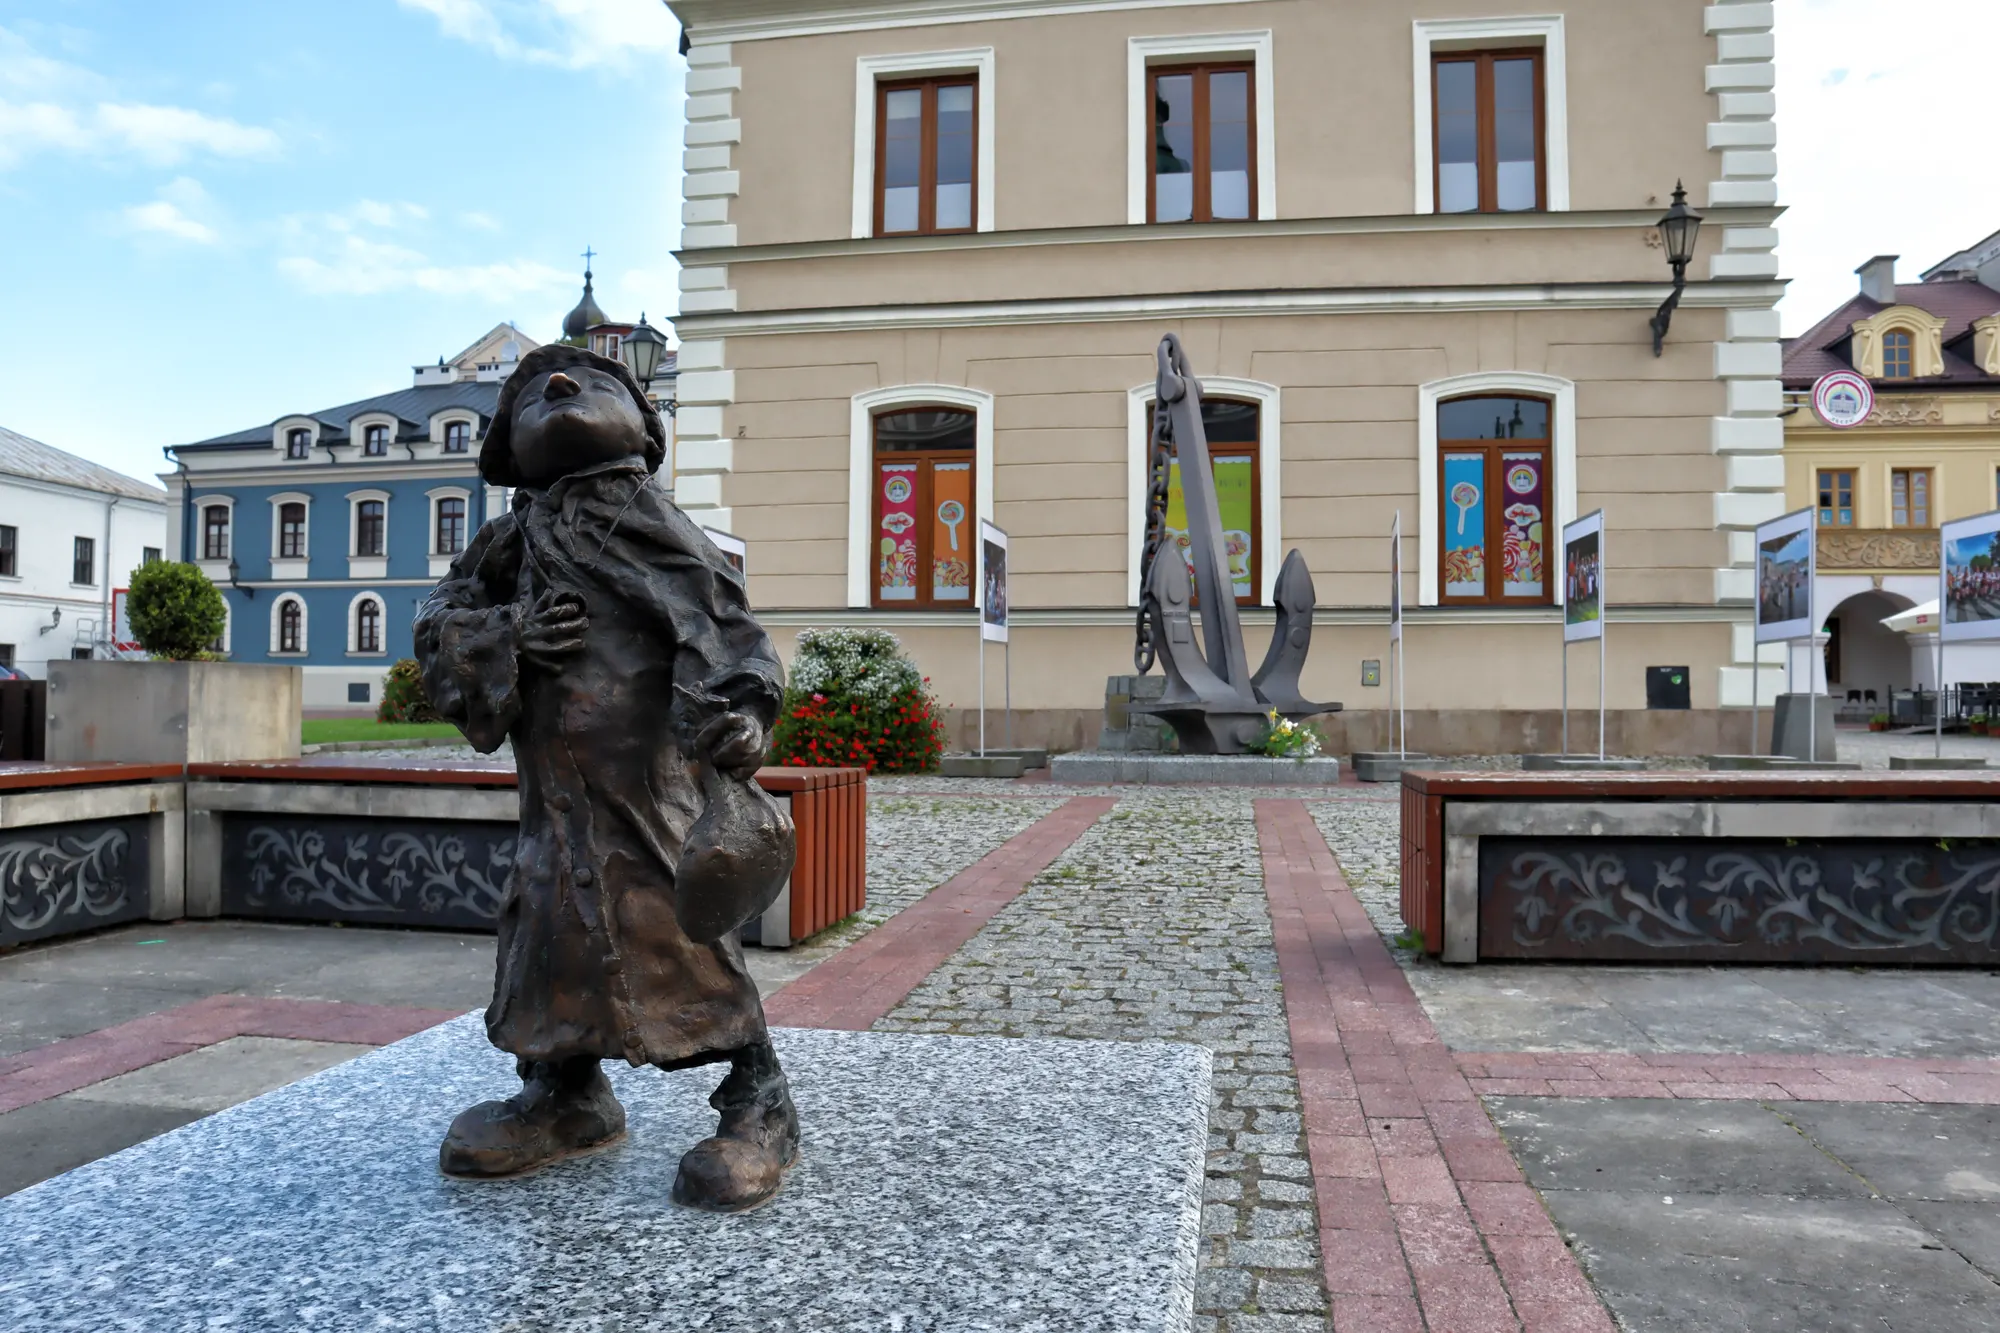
<point>216,212</point>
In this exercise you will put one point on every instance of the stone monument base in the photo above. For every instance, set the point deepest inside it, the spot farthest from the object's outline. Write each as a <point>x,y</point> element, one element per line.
<point>1385,765</point>
<point>944,1183</point>
<point>1558,763</point>
<point>1233,770</point>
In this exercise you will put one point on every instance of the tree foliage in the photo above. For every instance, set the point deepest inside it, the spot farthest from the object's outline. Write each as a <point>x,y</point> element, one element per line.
<point>176,612</point>
<point>403,697</point>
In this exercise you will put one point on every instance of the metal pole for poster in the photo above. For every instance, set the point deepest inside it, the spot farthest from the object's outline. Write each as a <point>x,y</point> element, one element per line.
<point>1007,658</point>
<point>1565,695</point>
<point>1600,685</point>
<point>1402,706</point>
<point>982,696</point>
<point>1937,731</point>
<point>1812,700</point>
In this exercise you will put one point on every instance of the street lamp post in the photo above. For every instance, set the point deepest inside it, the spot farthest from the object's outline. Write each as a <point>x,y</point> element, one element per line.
<point>642,349</point>
<point>1678,230</point>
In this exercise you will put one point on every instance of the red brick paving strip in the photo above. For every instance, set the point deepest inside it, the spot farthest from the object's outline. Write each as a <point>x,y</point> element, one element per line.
<point>1425,1220</point>
<point>77,1062</point>
<point>870,977</point>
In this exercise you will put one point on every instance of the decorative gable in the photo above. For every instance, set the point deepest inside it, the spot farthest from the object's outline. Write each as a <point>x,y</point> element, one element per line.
<point>1926,340</point>
<point>1986,344</point>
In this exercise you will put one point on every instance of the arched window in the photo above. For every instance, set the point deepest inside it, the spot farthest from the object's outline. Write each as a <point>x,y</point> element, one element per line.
<point>375,441</point>
<point>292,531</point>
<point>291,626</point>
<point>298,444</point>
<point>215,532</point>
<point>368,626</point>
<point>450,526</point>
<point>925,515</point>
<point>1896,355</point>
<point>369,525</point>
<point>1496,511</point>
<point>457,436</point>
<point>1231,428</point>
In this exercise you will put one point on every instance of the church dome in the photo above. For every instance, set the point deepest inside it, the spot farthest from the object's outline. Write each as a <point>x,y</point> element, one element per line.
<point>579,321</point>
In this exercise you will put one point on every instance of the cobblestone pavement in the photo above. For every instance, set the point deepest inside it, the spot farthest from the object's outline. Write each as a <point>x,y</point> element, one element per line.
<point>916,843</point>
<point>1366,836</point>
<point>1153,927</point>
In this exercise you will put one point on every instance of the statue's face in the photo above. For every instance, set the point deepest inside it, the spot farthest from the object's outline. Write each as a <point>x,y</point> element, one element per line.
<point>571,419</point>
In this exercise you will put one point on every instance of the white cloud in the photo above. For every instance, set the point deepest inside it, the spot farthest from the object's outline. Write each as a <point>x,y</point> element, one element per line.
<point>176,213</point>
<point>1878,134</point>
<point>341,254</point>
<point>49,106</point>
<point>480,221</point>
<point>574,34</point>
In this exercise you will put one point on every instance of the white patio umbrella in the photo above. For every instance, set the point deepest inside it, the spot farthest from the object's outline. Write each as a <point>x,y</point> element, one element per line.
<point>1924,617</point>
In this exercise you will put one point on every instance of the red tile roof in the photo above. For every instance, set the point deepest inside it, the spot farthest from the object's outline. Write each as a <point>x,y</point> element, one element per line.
<point>1823,347</point>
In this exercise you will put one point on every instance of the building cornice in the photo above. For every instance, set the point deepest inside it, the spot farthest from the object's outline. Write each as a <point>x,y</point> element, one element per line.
<point>1122,616</point>
<point>1393,224</point>
<point>710,22</point>
<point>343,474</point>
<point>1206,305</point>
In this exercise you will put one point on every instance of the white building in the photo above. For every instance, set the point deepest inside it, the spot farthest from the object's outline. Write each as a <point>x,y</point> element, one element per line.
<point>60,518</point>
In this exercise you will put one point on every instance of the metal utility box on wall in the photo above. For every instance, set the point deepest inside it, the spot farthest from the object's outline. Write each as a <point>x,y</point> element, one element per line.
<point>1667,687</point>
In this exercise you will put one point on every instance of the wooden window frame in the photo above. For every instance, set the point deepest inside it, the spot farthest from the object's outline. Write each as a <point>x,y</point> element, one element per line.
<point>438,546</point>
<point>375,441</point>
<point>1488,159</point>
<point>298,444</point>
<point>10,544</point>
<point>1254,451</point>
<point>212,549</point>
<point>362,625</point>
<point>1909,361</point>
<point>926,153</point>
<point>289,549</point>
<point>361,526</point>
<point>291,626</point>
<point>1203,208</point>
<point>1820,488</point>
<point>1551,531</point>
<point>460,443</point>
<point>1909,495</point>
<point>923,601</point>
<point>83,562</point>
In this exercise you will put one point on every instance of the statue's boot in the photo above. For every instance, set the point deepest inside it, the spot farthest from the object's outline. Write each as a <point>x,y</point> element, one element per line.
<point>564,1109</point>
<point>757,1142</point>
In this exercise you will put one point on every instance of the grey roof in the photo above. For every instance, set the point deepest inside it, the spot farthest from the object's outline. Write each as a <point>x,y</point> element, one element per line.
<point>413,407</point>
<point>23,457</point>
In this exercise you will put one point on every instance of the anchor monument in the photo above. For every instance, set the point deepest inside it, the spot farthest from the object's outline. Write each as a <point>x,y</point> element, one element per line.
<point>1212,700</point>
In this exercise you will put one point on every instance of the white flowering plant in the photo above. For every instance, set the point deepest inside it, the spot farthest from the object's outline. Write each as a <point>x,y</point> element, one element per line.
<point>856,699</point>
<point>1283,738</point>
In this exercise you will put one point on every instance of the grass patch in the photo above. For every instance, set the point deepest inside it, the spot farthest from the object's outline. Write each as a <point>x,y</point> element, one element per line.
<point>323,730</point>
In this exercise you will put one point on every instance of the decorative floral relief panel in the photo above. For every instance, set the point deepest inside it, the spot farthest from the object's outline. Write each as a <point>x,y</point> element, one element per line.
<point>64,878</point>
<point>384,871</point>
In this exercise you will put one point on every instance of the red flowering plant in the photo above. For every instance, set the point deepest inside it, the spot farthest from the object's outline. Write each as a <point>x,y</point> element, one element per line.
<point>856,700</point>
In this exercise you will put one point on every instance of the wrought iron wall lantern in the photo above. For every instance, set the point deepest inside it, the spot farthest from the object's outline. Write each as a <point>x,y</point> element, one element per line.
<point>643,349</point>
<point>1678,230</point>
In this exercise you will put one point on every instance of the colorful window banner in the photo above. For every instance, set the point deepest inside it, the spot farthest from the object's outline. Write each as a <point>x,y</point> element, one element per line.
<point>1465,524</point>
<point>1236,501</point>
<point>896,546</point>
<point>952,532</point>
<point>1522,514</point>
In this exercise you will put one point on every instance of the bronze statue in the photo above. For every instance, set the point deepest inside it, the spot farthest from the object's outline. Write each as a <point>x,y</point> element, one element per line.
<point>599,630</point>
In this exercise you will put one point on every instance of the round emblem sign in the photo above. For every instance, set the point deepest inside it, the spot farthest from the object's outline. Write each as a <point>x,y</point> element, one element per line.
<point>1842,399</point>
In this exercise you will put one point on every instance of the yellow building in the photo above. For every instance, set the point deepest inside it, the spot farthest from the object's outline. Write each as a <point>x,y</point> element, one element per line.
<point>1928,452</point>
<point>929,247</point>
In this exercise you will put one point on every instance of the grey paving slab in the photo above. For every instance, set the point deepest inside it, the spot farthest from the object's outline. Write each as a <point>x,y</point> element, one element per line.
<point>1707,1263</point>
<point>35,1012</point>
<point>232,1071</point>
<point>49,1138</point>
<point>1680,1148</point>
<point>944,1183</point>
<point>1910,1152</point>
<point>1972,1229</point>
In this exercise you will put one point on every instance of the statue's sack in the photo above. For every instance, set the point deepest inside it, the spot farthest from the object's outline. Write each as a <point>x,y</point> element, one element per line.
<point>735,860</point>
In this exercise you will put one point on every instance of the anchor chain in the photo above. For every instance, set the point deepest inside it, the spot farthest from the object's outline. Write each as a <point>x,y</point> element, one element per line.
<point>1158,462</point>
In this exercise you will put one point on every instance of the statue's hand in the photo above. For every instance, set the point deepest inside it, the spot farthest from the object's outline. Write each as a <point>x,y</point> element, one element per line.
<point>553,629</point>
<point>734,745</point>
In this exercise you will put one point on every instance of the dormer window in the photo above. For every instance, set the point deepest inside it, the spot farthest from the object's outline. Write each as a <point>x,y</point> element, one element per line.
<point>375,441</point>
<point>1896,355</point>
<point>298,444</point>
<point>457,436</point>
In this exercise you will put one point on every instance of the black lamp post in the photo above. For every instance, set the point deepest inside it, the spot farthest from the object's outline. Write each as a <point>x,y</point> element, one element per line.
<point>1678,230</point>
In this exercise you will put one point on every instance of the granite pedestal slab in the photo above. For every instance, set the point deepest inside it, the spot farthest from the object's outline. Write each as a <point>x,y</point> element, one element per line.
<point>1235,770</point>
<point>945,1185</point>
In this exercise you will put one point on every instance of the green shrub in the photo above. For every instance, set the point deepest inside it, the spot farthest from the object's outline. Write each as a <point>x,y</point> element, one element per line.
<point>176,612</point>
<point>403,697</point>
<point>856,700</point>
<point>1283,738</point>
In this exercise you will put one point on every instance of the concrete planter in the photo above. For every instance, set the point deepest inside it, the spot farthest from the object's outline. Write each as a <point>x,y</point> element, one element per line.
<point>1385,765</point>
<point>172,712</point>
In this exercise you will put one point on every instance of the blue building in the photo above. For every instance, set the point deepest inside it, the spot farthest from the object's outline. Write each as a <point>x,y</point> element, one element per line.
<point>325,529</point>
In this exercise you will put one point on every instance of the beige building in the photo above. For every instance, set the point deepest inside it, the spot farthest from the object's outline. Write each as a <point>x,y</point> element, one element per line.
<point>929,247</point>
